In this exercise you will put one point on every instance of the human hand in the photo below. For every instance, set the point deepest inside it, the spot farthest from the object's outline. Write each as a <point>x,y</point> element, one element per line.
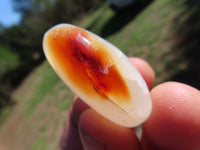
<point>174,123</point>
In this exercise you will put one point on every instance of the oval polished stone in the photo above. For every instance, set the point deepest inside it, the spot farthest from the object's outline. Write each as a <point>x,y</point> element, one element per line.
<point>99,73</point>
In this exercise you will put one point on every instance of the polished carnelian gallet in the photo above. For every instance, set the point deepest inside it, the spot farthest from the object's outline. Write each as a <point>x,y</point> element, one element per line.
<point>99,73</point>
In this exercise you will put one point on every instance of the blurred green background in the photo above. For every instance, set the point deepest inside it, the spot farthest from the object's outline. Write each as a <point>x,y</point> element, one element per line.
<point>34,102</point>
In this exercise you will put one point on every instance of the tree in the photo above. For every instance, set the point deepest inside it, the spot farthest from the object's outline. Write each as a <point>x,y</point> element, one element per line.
<point>38,16</point>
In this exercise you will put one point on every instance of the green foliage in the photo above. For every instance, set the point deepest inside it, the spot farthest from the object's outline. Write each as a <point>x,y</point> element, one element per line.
<point>38,16</point>
<point>8,60</point>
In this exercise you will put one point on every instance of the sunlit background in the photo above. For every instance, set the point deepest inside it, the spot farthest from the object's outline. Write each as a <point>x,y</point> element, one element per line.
<point>34,102</point>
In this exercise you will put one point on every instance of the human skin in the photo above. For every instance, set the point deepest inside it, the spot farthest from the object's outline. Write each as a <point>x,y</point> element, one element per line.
<point>174,123</point>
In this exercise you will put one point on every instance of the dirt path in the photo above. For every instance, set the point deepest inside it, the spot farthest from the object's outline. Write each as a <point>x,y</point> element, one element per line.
<point>3,147</point>
<point>42,129</point>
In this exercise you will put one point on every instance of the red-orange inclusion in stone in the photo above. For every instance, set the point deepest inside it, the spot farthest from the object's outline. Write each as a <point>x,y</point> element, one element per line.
<point>87,64</point>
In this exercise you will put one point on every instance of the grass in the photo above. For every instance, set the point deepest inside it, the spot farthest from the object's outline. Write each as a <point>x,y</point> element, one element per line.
<point>39,143</point>
<point>41,107</point>
<point>48,79</point>
<point>43,99</point>
<point>97,20</point>
<point>5,112</point>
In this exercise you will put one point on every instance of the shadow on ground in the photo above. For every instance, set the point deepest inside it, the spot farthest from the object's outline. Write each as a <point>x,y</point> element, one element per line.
<point>5,99</point>
<point>121,18</point>
<point>187,42</point>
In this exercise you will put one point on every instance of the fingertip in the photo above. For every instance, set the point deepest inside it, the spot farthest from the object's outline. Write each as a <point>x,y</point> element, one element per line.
<point>145,70</point>
<point>174,122</point>
<point>96,131</point>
